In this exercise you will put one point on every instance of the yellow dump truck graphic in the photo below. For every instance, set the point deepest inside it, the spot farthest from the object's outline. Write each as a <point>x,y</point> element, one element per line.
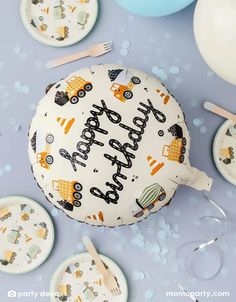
<point>69,193</point>
<point>7,257</point>
<point>64,291</point>
<point>124,82</point>
<point>26,211</point>
<point>227,155</point>
<point>4,213</point>
<point>43,149</point>
<point>76,88</point>
<point>62,32</point>
<point>150,196</point>
<point>41,230</point>
<point>176,150</point>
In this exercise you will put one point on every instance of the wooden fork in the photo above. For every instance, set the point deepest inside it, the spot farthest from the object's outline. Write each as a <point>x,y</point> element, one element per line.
<point>93,51</point>
<point>109,279</point>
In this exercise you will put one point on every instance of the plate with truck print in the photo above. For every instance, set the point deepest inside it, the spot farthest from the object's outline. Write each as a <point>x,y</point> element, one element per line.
<point>59,22</point>
<point>76,279</point>
<point>224,151</point>
<point>26,235</point>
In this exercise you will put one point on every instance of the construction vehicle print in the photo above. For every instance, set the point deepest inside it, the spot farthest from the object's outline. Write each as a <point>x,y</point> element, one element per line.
<point>32,253</point>
<point>7,257</point>
<point>43,146</point>
<point>74,270</point>
<point>58,9</point>
<point>231,131</point>
<point>14,235</point>
<point>227,155</point>
<point>76,88</point>
<point>62,32</point>
<point>176,150</point>
<point>82,19</point>
<point>88,292</point>
<point>150,196</point>
<point>124,83</point>
<point>64,292</point>
<point>41,230</point>
<point>69,192</point>
<point>4,213</point>
<point>26,211</point>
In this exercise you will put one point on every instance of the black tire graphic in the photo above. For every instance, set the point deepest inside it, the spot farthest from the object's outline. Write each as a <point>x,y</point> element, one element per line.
<point>88,87</point>
<point>49,160</point>
<point>77,195</point>
<point>181,159</point>
<point>74,100</point>
<point>78,187</point>
<point>128,94</point>
<point>77,203</point>
<point>50,139</point>
<point>81,93</point>
<point>136,80</point>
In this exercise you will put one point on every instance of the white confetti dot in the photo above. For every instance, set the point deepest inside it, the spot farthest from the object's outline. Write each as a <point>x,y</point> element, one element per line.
<point>122,29</point>
<point>174,69</point>
<point>125,44</point>
<point>138,275</point>
<point>7,168</point>
<point>198,121</point>
<point>203,129</point>
<point>1,65</point>
<point>124,52</point>
<point>55,212</point>
<point>80,247</point>
<point>149,294</point>
<point>1,172</point>
<point>196,222</point>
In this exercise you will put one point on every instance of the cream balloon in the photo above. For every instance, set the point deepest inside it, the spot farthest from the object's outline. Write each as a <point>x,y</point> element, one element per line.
<point>215,34</point>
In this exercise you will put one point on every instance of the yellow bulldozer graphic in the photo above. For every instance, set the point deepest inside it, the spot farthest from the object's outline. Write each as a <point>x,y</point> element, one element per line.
<point>176,150</point>
<point>4,213</point>
<point>76,88</point>
<point>124,84</point>
<point>69,192</point>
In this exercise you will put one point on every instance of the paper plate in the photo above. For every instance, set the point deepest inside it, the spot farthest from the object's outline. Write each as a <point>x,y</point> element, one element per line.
<point>59,22</point>
<point>77,279</point>
<point>224,151</point>
<point>26,235</point>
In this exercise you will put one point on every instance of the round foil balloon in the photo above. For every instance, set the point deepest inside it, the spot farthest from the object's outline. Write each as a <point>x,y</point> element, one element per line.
<point>215,33</point>
<point>154,8</point>
<point>109,145</point>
